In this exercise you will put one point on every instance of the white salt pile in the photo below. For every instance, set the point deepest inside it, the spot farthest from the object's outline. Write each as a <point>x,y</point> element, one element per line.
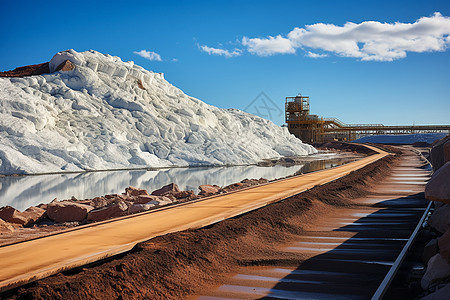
<point>109,114</point>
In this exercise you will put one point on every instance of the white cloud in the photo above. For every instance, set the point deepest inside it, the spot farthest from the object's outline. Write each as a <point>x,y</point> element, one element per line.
<point>315,55</point>
<point>268,46</point>
<point>220,52</point>
<point>369,40</point>
<point>150,55</point>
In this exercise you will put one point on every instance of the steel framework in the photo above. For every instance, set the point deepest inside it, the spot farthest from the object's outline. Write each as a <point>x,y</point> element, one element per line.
<point>312,128</point>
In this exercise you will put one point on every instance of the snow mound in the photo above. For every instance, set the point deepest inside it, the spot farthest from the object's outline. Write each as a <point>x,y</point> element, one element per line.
<point>402,139</point>
<point>109,114</point>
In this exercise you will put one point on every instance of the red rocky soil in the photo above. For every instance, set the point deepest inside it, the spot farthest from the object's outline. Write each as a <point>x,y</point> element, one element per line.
<point>38,69</point>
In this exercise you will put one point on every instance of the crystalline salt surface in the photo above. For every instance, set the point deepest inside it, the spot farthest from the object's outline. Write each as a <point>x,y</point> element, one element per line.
<point>98,117</point>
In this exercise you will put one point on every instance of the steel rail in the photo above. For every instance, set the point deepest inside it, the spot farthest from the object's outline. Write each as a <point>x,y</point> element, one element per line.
<point>383,287</point>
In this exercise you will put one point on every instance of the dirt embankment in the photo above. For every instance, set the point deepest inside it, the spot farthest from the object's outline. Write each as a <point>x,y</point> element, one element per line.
<point>38,69</point>
<point>178,264</point>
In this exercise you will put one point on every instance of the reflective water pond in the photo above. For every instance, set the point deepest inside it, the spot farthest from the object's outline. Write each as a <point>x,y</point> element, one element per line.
<point>25,191</point>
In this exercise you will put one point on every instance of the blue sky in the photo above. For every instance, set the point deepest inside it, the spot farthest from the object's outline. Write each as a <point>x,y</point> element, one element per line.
<point>394,76</point>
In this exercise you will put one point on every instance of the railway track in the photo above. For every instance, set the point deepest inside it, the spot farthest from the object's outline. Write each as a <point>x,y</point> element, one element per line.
<point>352,254</point>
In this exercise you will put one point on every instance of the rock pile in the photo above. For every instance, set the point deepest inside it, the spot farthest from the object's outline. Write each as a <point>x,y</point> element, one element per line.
<point>133,200</point>
<point>437,253</point>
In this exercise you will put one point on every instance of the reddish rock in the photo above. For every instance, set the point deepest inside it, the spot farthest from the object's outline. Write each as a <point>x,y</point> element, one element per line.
<point>137,208</point>
<point>437,269</point>
<point>438,188</point>
<point>447,151</point>
<point>86,202</point>
<point>67,211</point>
<point>27,71</point>
<point>251,182</point>
<point>7,227</point>
<point>233,187</point>
<point>160,200</point>
<point>140,84</point>
<point>444,245</point>
<point>98,202</point>
<point>208,190</point>
<point>142,199</point>
<point>437,153</point>
<point>66,65</point>
<point>439,294</point>
<point>169,196</point>
<point>33,215</point>
<point>43,206</point>
<point>430,250</point>
<point>11,215</point>
<point>132,191</point>
<point>105,213</point>
<point>440,218</point>
<point>182,195</point>
<point>163,200</point>
<point>173,187</point>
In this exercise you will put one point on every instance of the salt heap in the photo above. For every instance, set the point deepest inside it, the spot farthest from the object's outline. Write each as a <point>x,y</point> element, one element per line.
<point>109,114</point>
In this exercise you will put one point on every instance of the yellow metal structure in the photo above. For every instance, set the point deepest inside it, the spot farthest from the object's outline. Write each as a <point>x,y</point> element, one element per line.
<point>308,128</point>
<point>312,128</point>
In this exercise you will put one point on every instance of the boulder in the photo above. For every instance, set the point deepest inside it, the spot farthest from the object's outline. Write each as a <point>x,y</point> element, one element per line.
<point>132,191</point>
<point>43,206</point>
<point>182,195</point>
<point>142,199</point>
<point>11,215</point>
<point>67,211</point>
<point>105,213</point>
<point>233,187</point>
<point>444,245</point>
<point>440,219</point>
<point>85,202</point>
<point>208,190</point>
<point>137,208</point>
<point>34,215</point>
<point>440,294</point>
<point>447,151</point>
<point>173,187</point>
<point>437,268</point>
<point>430,250</point>
<point>437,153</point>
<point>7,227</point>
<point>99,202</point>
<point>438,188</point>
<point>162,200</point>
<point>66,65</point>
<point>170,197</point>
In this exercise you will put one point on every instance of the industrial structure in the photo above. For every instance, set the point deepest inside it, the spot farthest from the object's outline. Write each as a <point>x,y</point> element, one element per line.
<point>312,128</point>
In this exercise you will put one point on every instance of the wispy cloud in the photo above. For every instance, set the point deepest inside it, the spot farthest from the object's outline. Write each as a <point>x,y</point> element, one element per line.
<point>268,46</point>
<point>220,52</point>
<point>315,55</point>
<point>150,55</point>
<point>367,41</point>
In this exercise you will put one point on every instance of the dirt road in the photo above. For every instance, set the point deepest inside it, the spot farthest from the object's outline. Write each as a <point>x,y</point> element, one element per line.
<point>42,257</point>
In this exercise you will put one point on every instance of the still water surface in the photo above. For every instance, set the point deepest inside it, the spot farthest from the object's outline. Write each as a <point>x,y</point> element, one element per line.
<point>25,191</point>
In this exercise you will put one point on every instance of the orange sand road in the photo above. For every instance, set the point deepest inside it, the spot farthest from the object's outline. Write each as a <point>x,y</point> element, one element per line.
<point>31,260</point>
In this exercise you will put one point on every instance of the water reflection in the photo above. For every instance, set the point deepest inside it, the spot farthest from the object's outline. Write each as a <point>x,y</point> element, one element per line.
<point>23,192</point>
